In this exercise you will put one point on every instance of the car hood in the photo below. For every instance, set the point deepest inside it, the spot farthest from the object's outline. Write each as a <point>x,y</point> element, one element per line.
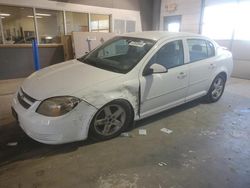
<point>65,79</point>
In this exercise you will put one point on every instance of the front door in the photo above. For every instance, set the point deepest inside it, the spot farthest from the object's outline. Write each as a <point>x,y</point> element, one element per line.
<point>161,91</point>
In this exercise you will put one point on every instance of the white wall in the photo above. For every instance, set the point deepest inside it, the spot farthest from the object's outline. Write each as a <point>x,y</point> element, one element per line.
<point>239,48</point>
<point>190,11</point>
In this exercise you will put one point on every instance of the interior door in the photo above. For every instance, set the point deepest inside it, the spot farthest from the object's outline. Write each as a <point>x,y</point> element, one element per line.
<point>161,91</point>
<point>172,23</point>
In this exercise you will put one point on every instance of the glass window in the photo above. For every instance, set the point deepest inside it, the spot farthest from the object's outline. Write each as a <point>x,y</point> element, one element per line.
<point>50,25</point>
<point>170,55</point>
<point>174,27</point>
<point>77,22</point>
<point>99,23</point>
<point>18,24</point>
<point>120,54</point>
<point>172,23</point>
<point>200,49</point>
<point>210,49</point>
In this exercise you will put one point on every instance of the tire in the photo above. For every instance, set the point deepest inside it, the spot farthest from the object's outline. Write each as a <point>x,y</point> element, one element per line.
<point>216,89</point>
<point>111,120</point>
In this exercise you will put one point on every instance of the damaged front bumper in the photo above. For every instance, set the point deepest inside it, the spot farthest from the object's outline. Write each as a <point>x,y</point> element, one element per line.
<point>70,127</point>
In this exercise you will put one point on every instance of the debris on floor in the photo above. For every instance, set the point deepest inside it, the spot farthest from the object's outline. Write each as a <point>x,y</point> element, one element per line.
<point>143,132</point>
<point>184,155</point>
<point>245,110</point>
<point>234,122</point>
<point>162,164</point>
<point>125,134</point>
<point>208,133</point>
<point>165,130</point>
<point>12,144</point>
<point>238,134</point>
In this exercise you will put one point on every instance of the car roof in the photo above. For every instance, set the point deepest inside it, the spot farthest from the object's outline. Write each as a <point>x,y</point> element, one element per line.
<point>157,35</point>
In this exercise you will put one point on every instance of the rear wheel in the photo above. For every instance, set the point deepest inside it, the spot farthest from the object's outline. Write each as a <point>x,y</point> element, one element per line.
<point>217,88</point>
<point>111,120</point>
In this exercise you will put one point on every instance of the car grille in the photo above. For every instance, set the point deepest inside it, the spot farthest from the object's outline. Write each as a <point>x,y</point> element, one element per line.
<point>24,99</point>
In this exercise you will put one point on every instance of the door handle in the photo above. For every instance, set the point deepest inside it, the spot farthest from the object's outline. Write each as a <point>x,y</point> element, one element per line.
<point>181,75</point>
<point>212,66</point>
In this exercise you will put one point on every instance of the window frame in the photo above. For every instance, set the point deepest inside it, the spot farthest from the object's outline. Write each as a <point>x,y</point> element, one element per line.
<point>98,29</point>
<point>4,40</point>
<point>66,32</point>
<point>37,24</point>
<point>207,41</point>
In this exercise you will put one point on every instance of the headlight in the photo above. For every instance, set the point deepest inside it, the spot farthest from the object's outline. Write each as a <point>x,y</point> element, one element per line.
<point>57,106</point>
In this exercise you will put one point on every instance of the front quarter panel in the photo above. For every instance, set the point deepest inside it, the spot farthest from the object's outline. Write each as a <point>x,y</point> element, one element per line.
<point>104,93</point>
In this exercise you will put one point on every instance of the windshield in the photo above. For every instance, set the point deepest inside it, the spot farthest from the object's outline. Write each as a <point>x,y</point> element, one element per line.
<point>120,54</point>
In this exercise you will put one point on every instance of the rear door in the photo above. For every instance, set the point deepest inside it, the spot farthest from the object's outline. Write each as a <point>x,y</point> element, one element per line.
<point>201,66</point>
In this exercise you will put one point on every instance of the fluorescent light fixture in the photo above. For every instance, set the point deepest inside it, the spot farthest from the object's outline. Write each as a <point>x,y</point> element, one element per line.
<point>33,16</point>
<point>4,14</point>
<point>41,14</point>
<point>48,37</point>
<point>2,17</point>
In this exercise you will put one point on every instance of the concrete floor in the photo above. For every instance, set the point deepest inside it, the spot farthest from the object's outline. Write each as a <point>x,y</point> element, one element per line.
<point>209,147</point>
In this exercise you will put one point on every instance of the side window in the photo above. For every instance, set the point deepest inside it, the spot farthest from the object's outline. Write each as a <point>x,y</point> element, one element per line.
<point>210,49</point>
<point>200,49</point>
<point>170,55</point>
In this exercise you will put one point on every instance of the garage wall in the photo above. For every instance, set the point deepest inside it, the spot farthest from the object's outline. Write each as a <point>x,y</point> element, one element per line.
<point>17,62</point>
<point>190,10</point>
<point>239,48</point>
<point>241,56</point>
<point>191,13</point>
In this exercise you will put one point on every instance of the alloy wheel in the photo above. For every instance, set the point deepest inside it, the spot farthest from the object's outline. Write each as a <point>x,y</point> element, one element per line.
<point>110,119</point>
<point>218,86</point>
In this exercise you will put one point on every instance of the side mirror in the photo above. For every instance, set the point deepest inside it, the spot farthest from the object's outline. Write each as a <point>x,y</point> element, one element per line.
<point>155,68</point>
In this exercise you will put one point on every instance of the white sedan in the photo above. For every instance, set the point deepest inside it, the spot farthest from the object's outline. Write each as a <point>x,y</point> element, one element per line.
<point>127,78</point>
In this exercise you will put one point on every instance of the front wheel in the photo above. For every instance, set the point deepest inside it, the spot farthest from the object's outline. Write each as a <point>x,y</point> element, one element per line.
<point>111,120</point>
<point>216,90</point>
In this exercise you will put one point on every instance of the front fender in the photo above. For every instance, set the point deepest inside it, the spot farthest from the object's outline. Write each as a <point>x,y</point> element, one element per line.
<point>101,95</point>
